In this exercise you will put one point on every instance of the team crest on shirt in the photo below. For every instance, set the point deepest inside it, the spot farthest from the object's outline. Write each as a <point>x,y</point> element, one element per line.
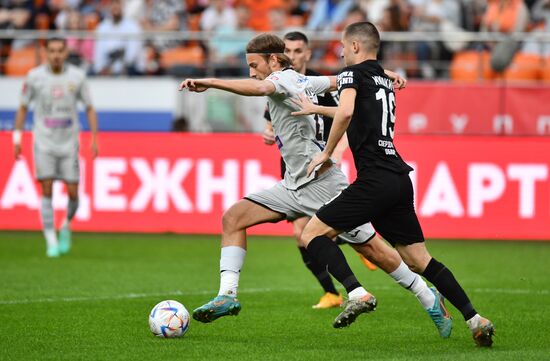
<point>57,91</point>
<point>72,87</point>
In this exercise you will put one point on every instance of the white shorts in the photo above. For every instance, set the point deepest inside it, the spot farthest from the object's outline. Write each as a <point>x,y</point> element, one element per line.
<point>53,166</point>
<point>306,200</point>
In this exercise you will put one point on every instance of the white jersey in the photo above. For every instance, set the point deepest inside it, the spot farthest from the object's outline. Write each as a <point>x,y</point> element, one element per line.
<point>55,98</point>
<point>299,138</point>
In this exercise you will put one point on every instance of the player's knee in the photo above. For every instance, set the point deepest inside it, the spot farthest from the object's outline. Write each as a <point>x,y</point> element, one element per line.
<point>230,220</point>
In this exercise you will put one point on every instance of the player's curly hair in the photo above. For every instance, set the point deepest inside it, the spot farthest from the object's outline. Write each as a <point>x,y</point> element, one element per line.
<point>267,44</point>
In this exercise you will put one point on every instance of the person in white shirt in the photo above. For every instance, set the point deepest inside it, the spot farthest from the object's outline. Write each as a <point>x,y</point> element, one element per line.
<point>116,55</point>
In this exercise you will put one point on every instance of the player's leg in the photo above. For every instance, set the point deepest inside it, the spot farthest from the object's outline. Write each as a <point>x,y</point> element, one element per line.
<point>417,257</point>
<point>402,229</point>
<point>47,216</point>
<point>331,297</point>
<point>317,236</point>
<point>70,172</point>
<point>65,237</point>
<point>235,221</point>
<point>45,166</point>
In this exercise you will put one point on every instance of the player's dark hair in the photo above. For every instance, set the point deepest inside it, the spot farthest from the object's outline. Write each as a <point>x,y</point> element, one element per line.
<point>295,36</point>
<point>366,33</point>
<point>54,39</point>
<point>267,44</point>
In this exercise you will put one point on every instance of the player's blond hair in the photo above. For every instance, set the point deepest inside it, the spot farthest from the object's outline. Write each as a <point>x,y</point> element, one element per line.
<point>267,44</point>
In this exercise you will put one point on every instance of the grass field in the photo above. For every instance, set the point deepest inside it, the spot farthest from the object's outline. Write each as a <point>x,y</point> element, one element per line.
<point>93,304</point>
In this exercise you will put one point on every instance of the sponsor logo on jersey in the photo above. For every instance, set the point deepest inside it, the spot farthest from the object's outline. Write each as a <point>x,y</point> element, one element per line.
<point>57,91</point>
<point>344,78</point>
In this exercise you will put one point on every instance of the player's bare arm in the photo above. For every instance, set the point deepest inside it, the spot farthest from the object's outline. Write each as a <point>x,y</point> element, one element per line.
<point>17,130</point>
<point>92,122</point>
<point>247,87</point>
<point>340,123</point>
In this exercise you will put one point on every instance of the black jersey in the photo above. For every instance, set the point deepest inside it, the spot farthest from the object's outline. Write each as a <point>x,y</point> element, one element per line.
<point>327,100</point>
<point>371,130</point>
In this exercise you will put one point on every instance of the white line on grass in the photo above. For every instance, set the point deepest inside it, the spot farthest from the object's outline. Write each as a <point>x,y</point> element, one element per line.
<point>126,296</point>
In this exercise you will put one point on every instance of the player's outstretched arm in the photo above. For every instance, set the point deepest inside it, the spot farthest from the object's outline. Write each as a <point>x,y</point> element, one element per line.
<point>308,107</point>
<point>92,122</point>
<point>17,130</point>
<point>340,123</point>
<point>247,87</point>
<point>398,81</point>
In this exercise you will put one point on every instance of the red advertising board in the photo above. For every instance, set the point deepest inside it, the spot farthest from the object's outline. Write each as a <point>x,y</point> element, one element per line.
<point>475,109</point>
<point>466,187</point>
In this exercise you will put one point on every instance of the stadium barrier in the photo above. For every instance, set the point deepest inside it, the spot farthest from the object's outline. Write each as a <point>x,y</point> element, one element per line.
<point>423,108</point>
<point>482,187</point>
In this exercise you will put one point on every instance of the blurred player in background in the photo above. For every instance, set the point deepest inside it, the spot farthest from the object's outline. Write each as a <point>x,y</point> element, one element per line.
<point>298,194</point>
<point>298,51</point>
<point>55,89</point>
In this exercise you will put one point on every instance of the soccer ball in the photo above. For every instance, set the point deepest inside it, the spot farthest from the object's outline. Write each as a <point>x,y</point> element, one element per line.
<point>169,319</point>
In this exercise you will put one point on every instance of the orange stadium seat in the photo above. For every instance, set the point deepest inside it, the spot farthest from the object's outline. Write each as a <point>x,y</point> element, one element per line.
<point>524,67</point>
<point>20,61</point>
<point>182,56</point>
<point>546,70</point>
<point>470,65</point>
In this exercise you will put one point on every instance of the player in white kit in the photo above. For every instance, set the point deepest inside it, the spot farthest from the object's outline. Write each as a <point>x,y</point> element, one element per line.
<point>55,88</point>
<point>298,194</point>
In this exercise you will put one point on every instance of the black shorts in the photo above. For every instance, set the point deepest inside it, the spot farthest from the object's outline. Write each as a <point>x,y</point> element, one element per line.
<point>382,197</point>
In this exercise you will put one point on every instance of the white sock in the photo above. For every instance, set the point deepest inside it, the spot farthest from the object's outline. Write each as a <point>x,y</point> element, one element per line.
<point>46,213</point>
<point>474,321</point>
<point>231,262</point>
<point>414,283</point>
<point>357,293</point>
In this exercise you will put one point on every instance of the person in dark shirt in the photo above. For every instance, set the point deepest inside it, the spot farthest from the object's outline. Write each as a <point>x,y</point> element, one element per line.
<point>382,193</point>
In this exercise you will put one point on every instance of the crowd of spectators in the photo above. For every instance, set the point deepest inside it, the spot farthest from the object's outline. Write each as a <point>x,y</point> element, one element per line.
<point>229,24</point>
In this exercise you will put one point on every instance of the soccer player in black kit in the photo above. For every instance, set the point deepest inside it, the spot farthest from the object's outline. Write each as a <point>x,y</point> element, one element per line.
<point>382,192</point>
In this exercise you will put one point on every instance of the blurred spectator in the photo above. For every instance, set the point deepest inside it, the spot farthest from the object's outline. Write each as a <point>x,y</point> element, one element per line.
<point>331,53</point>
<point>259,12</point>
<point>540,13</point>
<point>505,16</point>
<point>118,56</point>
<point>163,15</point>
<point>228,46</point>
<point>81,51</point>
<point>133,9</point>
<point>395,54</point>
<point>219,14</point>
<point>328,14</point>
<point>374,9</point>
<point>278,19</point>
<point>15,15</point>
<point>429,16</point>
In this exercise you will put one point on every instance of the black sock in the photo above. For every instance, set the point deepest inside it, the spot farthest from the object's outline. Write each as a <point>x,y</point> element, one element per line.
<point>443,279</point>
<point>318,271</point>
<point>324,251</point>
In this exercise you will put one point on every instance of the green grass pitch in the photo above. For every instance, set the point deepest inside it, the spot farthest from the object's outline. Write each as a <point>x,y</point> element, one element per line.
<point>93,304</point>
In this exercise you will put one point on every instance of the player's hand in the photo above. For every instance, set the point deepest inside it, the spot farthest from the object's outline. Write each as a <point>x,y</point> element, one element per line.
<point>268,136</point>
<point>194,85</point>
<point>319,159</point>
<point>306,105</point>
<point>17,151</point>
<point>399,82</point>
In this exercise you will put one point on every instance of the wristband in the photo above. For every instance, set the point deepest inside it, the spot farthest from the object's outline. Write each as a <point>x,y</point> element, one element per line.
<point>17,134</point>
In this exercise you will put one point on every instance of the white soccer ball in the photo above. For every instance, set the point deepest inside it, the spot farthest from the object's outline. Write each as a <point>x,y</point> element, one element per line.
<point>169,319</point>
